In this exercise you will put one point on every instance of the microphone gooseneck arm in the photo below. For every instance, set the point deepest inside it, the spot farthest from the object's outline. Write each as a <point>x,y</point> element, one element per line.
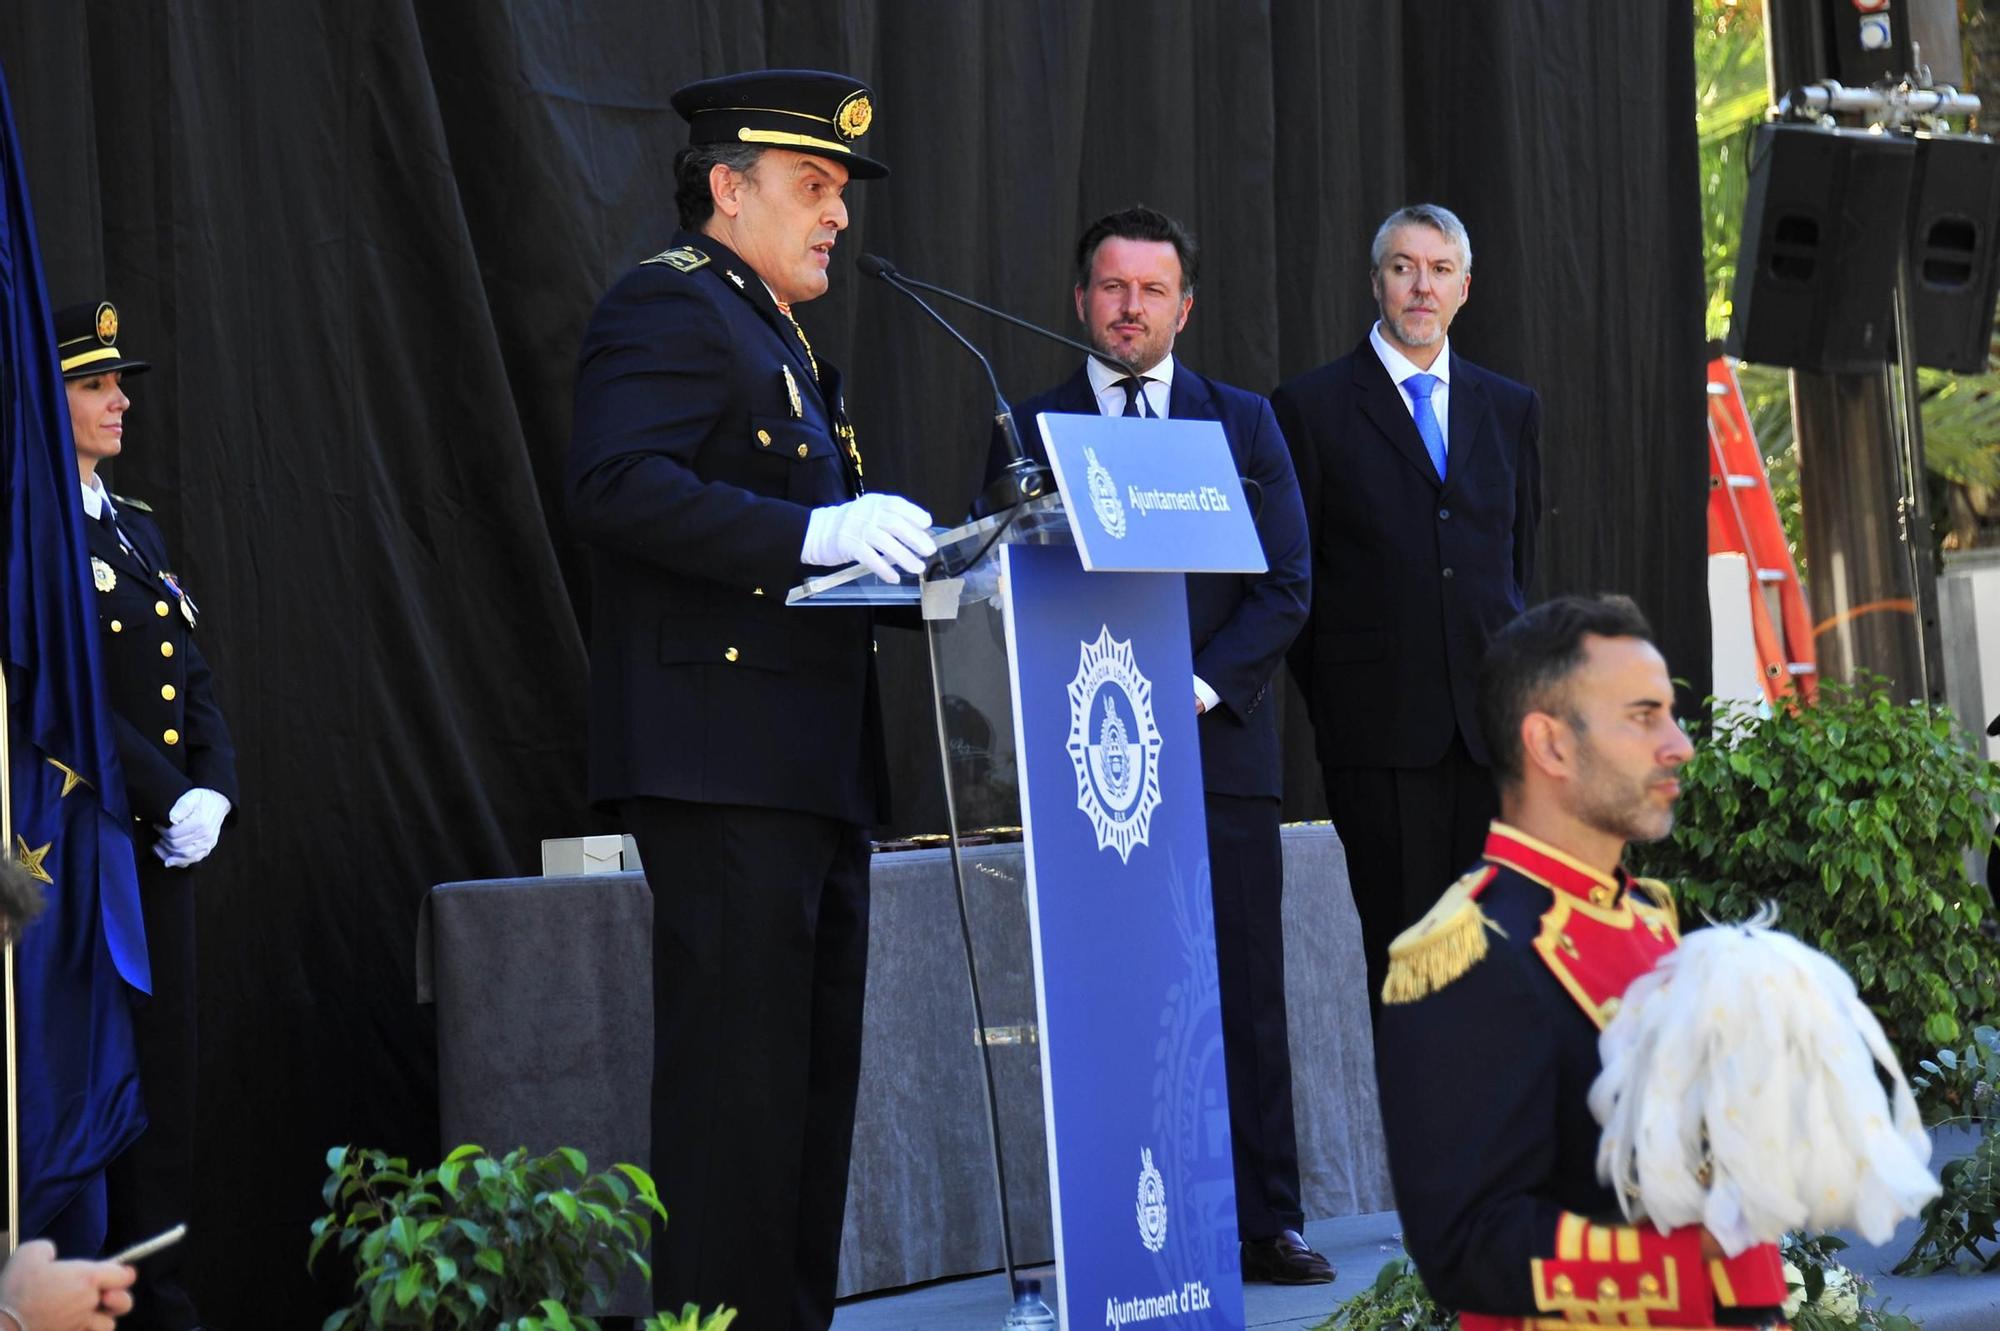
<point>1022,479</point>
<point>1015,320</point>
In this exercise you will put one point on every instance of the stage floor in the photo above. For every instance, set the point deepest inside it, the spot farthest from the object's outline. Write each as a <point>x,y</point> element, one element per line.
<point>1358,1245</point>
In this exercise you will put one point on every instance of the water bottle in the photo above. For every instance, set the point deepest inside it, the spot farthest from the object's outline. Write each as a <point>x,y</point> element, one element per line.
<point>1029,1313</point>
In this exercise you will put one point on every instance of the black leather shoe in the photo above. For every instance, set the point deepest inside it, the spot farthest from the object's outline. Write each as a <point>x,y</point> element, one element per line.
<point>1284,1259</point>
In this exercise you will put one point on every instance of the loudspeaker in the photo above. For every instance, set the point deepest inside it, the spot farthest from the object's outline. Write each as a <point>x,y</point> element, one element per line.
<point>1824,220</point>
<point>1953,270</point>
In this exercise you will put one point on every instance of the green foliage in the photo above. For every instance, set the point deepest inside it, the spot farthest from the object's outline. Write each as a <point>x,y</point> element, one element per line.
<point>690,1318</point>
<point>1730,98</point>
<point>1853,816</point>
<point>479,1244</point>
<point>1964,1217</point>
<point>1826,1296</point>
<point>1958,1084</point>
<point>1396,1300</point>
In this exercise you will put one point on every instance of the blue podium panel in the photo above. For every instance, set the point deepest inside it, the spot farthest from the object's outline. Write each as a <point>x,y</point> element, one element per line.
<point>1152,495</point>
<point>1136,1099</point>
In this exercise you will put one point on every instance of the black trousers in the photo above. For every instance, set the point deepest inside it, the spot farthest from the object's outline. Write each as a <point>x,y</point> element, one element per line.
<point>150,1187</point>
<point>1409,833</point>
<point>760,954</point>
<point>1247,879</point>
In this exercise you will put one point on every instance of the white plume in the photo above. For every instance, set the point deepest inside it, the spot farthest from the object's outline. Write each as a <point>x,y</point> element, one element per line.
<point>1739,1092</point>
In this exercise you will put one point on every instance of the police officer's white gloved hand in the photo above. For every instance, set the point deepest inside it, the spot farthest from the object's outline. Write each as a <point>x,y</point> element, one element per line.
<point>195,827</point>
<point>882,531</point>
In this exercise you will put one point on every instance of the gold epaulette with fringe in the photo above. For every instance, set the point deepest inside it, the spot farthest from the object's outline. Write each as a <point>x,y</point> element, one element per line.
<point>127,501</point>
<point>1662,896</point>
<point>1441,947</point>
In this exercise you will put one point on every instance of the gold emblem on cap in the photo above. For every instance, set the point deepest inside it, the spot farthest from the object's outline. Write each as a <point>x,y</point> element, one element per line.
<point>851,121</point>
<point>107,322</point>
<point>101,574</point>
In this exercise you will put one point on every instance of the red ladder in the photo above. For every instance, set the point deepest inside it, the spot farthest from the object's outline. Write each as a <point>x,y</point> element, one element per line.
<point>1743,519</point>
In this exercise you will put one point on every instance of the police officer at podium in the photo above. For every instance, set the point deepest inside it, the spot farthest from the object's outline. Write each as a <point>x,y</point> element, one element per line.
<point>712,468</point>
<point>180,779</point>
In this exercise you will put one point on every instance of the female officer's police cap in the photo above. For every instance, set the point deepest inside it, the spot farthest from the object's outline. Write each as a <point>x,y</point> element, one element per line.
<point>87,341</point>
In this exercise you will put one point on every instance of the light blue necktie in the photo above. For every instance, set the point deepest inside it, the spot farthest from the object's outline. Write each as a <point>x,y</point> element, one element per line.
<point>1420,387</point>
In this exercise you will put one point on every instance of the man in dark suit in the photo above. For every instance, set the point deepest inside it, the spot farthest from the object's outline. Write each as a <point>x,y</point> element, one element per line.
<point>1135,282</point>
<point>1422,484</point>
<point>712,468</point>
<point>180,778</point>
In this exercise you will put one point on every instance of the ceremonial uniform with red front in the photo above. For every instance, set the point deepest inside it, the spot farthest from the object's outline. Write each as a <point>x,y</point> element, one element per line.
<point>1485,1055</point>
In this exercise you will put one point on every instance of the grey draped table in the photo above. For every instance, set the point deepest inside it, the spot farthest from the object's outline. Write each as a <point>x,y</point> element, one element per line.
<point>545,1038</point>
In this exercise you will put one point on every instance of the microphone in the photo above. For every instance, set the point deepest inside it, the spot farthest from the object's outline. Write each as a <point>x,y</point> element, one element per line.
<point>1021,479</point>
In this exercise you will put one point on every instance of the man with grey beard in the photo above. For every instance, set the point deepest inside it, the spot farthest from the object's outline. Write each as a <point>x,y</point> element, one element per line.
<point>1422,485</point>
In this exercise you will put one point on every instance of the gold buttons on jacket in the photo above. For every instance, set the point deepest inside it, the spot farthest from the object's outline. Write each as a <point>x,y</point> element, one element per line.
<point>802,450</point>
<point>172,736</point>
<point>166,649</point>
<point>117,627</point>
<point>729,653</point>
<point>160,609</point>
<point>764,438</point>
<point>167,692</point>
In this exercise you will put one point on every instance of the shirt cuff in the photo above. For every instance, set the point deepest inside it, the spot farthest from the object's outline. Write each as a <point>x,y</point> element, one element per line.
<point>1210,699</point>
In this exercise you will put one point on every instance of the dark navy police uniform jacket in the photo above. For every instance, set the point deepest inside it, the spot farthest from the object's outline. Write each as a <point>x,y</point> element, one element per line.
<point>171,735</point>
<point>702,441</point>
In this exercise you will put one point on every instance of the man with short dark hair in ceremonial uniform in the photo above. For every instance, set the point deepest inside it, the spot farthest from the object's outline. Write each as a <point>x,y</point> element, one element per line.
<point>712,468</point>
<point>1487,1046</point>
<point>180,778</point>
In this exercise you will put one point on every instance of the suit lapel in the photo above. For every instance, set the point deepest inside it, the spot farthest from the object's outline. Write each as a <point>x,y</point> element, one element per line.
<point>1188,399</point>
<point>1382,403</point>
<point>1470,412</point>
<point>1075,396</point>
<point>104,545</point>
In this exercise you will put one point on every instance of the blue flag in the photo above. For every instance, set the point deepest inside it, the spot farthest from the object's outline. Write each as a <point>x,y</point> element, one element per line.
<point>77,1078</point>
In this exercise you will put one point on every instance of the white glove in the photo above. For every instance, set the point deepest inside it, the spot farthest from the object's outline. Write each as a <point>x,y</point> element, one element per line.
<point>879,530</point>
<point>196,825</point>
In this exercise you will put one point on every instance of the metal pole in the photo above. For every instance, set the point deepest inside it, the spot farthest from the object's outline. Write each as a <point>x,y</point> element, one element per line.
<point>1915,526</point>
<point>972,972</point>
<point>1865,550</point>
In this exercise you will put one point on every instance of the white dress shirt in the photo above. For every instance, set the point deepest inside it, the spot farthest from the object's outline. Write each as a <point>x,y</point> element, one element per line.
<point>1399,368</point>
<point>95,498</point>
<point>1158,389</point>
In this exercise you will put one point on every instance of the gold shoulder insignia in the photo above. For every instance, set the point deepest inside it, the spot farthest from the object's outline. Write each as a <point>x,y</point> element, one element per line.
<point>684,257</point>
<point>126,501</point>
<point>1441,947</point>
<point>1662,897</point>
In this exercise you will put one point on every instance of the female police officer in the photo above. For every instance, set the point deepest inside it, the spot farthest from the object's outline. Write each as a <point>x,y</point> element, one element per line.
<point>180,777</point>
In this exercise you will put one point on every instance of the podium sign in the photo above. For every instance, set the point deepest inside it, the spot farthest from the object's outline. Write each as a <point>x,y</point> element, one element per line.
<point>1136,1100</point>
<point>1152,495</point>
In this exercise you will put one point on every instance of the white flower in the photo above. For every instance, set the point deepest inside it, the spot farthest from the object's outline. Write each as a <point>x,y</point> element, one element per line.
<point>1842,1296</point>
<point>1795,1287</point>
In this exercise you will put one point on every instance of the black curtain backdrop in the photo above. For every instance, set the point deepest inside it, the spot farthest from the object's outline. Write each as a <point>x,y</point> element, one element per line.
<point>359,242</point>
